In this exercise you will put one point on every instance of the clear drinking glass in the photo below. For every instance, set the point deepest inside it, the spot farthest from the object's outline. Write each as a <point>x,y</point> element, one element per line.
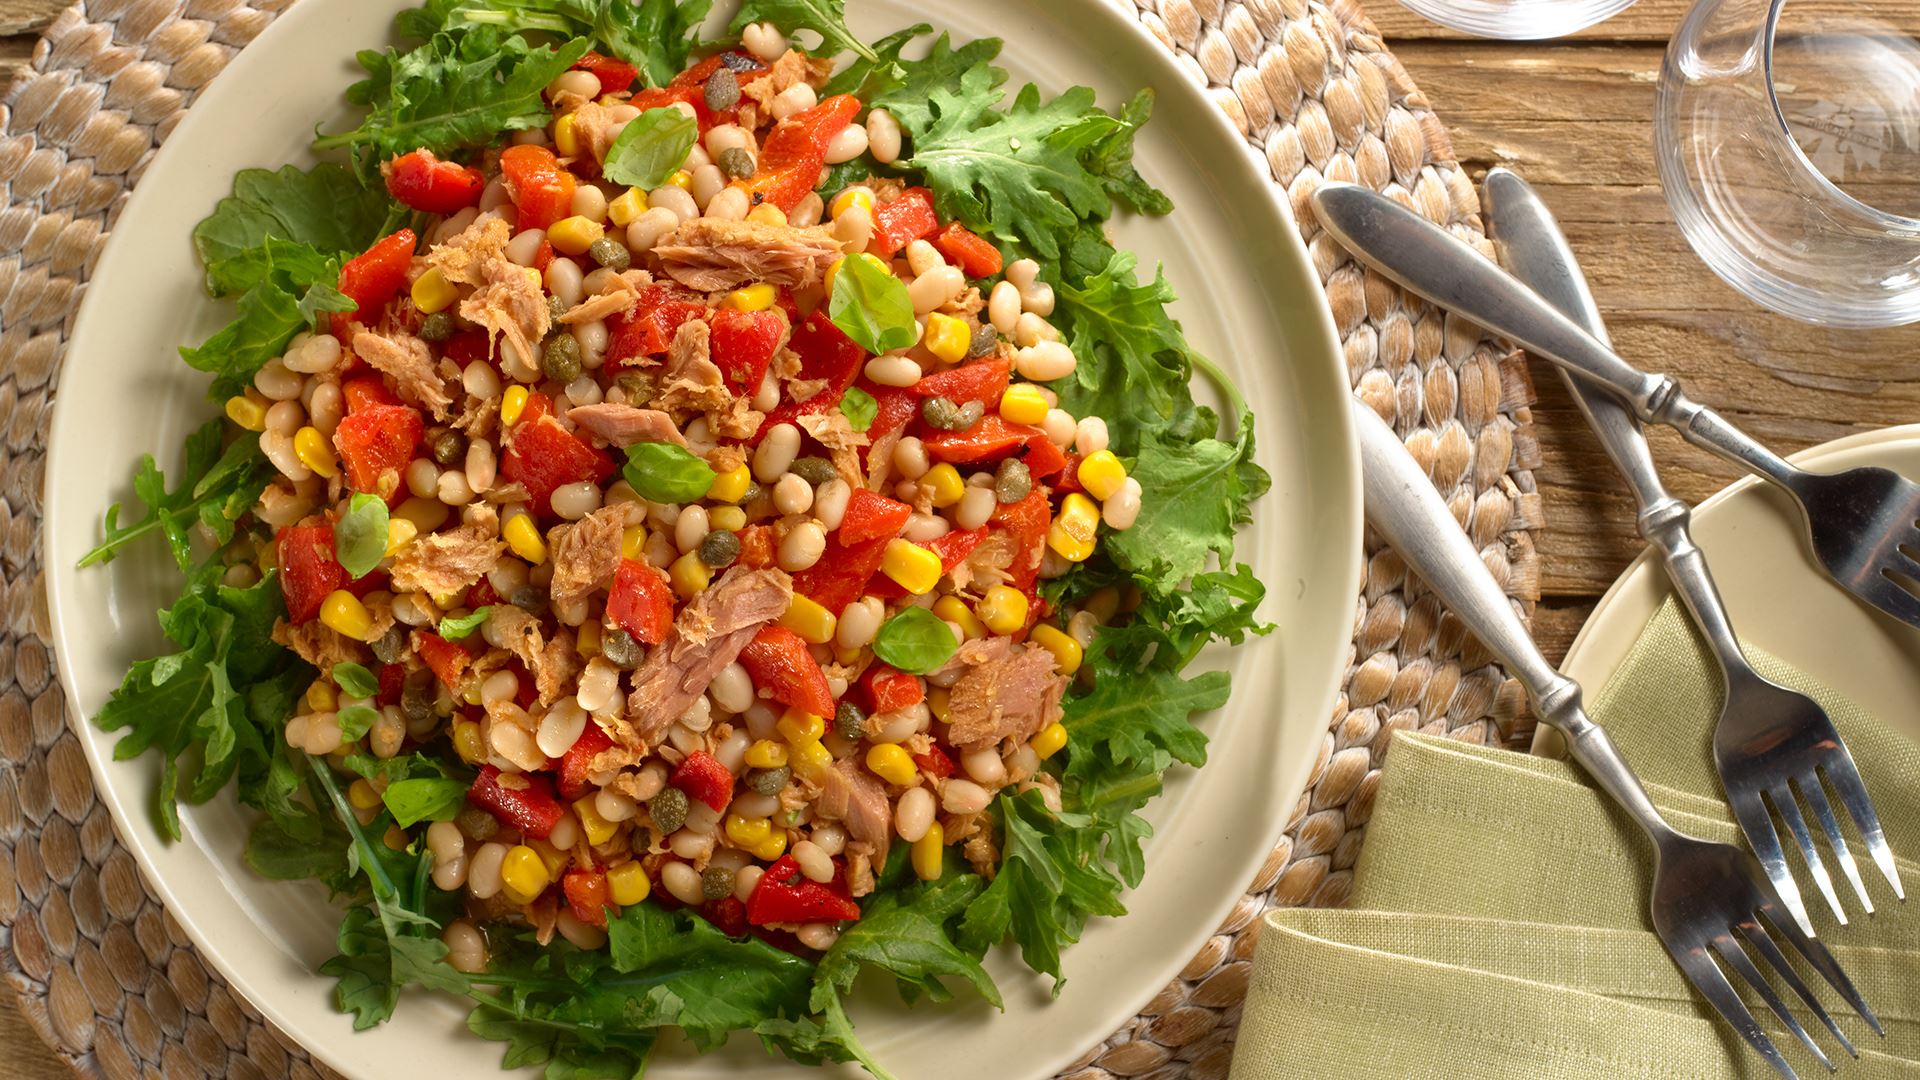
<point>1787,135</point>
<point>1518,20</point>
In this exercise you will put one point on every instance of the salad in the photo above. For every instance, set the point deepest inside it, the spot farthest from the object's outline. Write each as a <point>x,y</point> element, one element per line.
<point>690,522</point>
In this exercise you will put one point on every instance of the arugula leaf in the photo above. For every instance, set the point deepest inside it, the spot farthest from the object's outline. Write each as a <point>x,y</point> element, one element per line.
<point>654,36</point>
<point>277,852</point>
<point>1141,357</point>
<point>1129,716</point>
<point>858,77</point>
<point>323,211</point>
<point>871,306</point>
<point>717,984</point>
<point>904,933</point>
<point>904,87</point>
<point>1193,496</point>
<point>1111,159</point>
<point>355,680</point>
<point>1049,884</point>
<point>859,407</point>
<point>914,640</point>
<point>650,148</point>
<point>666,473</point>
<point>216,487</point>
<point>286,297</point>
<point>828,18</point>
<point>424,798</point>
<point>456,628</point>
<point>360,536</point>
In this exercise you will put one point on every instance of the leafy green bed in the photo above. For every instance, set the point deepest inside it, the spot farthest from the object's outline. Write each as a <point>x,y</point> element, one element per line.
<point>1039,176</point>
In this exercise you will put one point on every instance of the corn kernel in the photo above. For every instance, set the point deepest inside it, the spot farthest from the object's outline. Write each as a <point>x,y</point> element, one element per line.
<point>425,515</point>
<point>730,518</point>
<point>1102,474</point>
<point>937,701</point>
<point>1065,650</point>
<point>633,542</point>
<point>315,452</point>
<point>930,853</point>
<point>945,483</point>
<point>574,235</point>
<point>681,179</point>
<point>810,761</point>
<point>845,657</point>
<point>628,884</point>
<point>772,847</point>
<point>598,830</point>
<point>400,533</point>
<point>891,763</point>
<point>813,623</point>
<point>524,874</point>
<point>766,754</point>
<point>362,795</point>
<point>343,613</point>
<point>1023,403</point>
<point>396,838</point>
<point>587,639</point>
<point>551,856</point>
<point>954,610</point>
<point>321,698</point>
<point>247,412</point>
<point>566,136</point>
<point>758,297</point>
<point>690,576</point>
<point>947,338</point>
<point>512,404</point>
<point>467,742</point>
<point>534,277</point>
<point>853,196</point>
<point>625,208</point>
<point>1071,534</point>
<point>748,832</point>
<point>800,727</point>
<point>1003,609</point>
<point>730,486</point>
<point>767,214</point>
<point>911,566</point>
<point>1049,741</point>
<point>433,292</point>
<point>525,540</point>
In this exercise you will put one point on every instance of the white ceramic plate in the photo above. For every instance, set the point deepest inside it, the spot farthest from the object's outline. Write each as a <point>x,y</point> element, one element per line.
<point>1776,596</point>
<point>1250,300</point>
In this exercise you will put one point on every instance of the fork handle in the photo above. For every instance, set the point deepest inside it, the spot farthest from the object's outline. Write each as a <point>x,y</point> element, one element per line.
<point>1408,512</point>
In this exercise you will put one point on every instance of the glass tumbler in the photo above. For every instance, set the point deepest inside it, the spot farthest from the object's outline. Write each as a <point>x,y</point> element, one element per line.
<point>1787,134</point>
<point>1517,20</point>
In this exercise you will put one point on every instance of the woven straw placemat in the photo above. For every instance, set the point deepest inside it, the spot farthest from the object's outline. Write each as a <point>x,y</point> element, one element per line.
<point>107,977</point>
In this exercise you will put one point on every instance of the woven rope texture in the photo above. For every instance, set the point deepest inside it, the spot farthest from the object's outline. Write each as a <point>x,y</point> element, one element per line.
<point>110,981</point>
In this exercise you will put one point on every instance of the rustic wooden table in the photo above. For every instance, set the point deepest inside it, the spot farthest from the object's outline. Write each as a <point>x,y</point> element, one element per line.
<point>1574,118</point>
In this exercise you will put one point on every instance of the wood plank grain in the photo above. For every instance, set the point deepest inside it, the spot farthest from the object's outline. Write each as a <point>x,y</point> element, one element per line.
<point>1648,21</point>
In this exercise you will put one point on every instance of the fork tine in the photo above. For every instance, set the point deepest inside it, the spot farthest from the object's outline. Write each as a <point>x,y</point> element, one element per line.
<point>1846,782</point>
<point>1789,811</point>
<point>1757,936</point>
<point>1751,812</point>
<point>1816,796</point>
<point>1736,958</point>
<point>1706,977</point>
<point>1888,595</point>
<point>1822,961</point>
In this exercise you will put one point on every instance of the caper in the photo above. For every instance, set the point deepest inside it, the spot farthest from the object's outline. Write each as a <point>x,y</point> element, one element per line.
<point>416,697</point>
<point>556,307</point>
<point>716,882</point>
<point>637,385</point>
<point>436,327</point>
<point>621,650</point>
<point>942,413</point>
<point>815,470</point>
<point>970,414</point>
<point>390,647</point>
<point>668,810</point>
<point>985,340</point>
<point>769,781</point>
<point>1012,482</point>
<point>449,449</point>
<point>737,163</point>
<point>475,823</point>
<point>849,721</point>
<point>641,841</point>
<point>529,598</point>
<point>561,358</point>
<point>754,491</point>
<point>719,548</point>
<point>611,254</point>
<point>739,61</point>
<point>723,89</point>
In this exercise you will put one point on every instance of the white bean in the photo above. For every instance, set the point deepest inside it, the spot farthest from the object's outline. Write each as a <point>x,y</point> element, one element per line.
<point>912,815</point>
<point>276,381</point>
<point>481,380</point>
<point>792,494</point>
<point>453,226</point>
<point>1030,329</point>
<point>847,143</point>
<point>285,417</point>
<point>802,546</point>
<point>731,204</point>
<point>1003,306</point>
<point>910,458</point>
<point>830,503</point>
<point>746,881</point>
<point>499,686</point>
<point>495,196</point>
<point>387,733</point>
<point>646,230</point>
<point>921,528</point>
<point>575,501</point>
<point>975,507</point>
<point>807,212</point>
<point>577,83</point>
<point>691,845</point>
<point>683,881</point>
<point>690,528</point>
<point>1090,437</point>
<point>923,257</point>
<point>755,805</point>
<point>685,739</point>
<point>524,248</point>
<point>984,765</point>
<point>453,490</point>
<point>1060,427</point>
<point>964,797</point>
<point>1122,509</point>
<point>722,137</point>
<point>326,408</point>
<point>766,396</point>
<point>1023,273</point>
<point>566,831</point>
<point>859,622</point>
<point>311,354</point>
<point>565,280</point>
<point>732,689</point>
<point>818,936</point>
<point>775,454</point>
<point>466,947</point>
<point>761,719</point>
<point>764,40</point>
<point>579,934</point>
<point>853,229</point>
<point>797,98</point>
<point>584,391</point>
<point>659,550</point>
<point>901,724</point>
<point>590,202</point>
<point>1045,361</point>
<point>649,781</point>
<point>483,872</point>
<point>611,805</point>
<point>883,136</point>
<point>481,465</point>
<point>935,287</point>
<point>817,865</point>
<point>561,727</point>
<point>698,716</point>
<point>449,850</point>
<point>515,744</point>
<point>592,338</point>
<point>732,751</point>
<point>708,181</point>
<point>278,446</point>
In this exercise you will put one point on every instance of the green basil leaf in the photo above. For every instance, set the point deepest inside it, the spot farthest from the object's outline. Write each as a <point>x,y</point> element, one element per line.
<point>663,472</point>
<point>360,536</point>
<point>916,641</point>
<point>453,628</point>
<point>871,306</point>
<point>859,408</point>
<point>428,798</point>
<point>650,148</point>
<point>355,721</point>
<point>355,680</point>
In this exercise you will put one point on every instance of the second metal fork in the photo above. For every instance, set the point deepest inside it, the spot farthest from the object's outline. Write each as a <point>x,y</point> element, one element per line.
<point>1769,740</point>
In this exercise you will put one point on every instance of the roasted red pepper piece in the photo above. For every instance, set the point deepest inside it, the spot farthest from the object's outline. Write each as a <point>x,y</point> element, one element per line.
<point>531,809</point>
<point>308,569</point>
<point>545,455</point>
<point>1044,459</point>
<point>826,354</point>
<point>1069,479</point>
<point>894,408</point>
<point>373,278</point>
<point>756,547</point>
<point>614,75</point>
<point>1026,522</point>
<point>445,659</point>
<point>690,86</point>
<point>993,437</point>
<point>791,158</point>
<point>888,688</point>
<point>587,894</point>
<point>902,221</point>
<point>727,914</point>
<point>785,895</point>
<point>780,664</point>
<point>934,762</point>
<point>641,602</point>
<point>743,344</point>
<point>424,182</point>
<point>983,381</point>
<point>974,256</point>
<point>842,573</point>
<point>466,346</point>
<point>649,327</point>
<point>953,547</point>
<point>364,390</point>
<point>578,761</point>
<point>870,514</point>
<point>541,188</point>
<point>376,440</point>
<point>393,683</point>
<point>704,779</point>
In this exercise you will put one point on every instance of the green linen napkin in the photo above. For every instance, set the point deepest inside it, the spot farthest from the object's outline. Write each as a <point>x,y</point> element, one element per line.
<point>1498,927</point>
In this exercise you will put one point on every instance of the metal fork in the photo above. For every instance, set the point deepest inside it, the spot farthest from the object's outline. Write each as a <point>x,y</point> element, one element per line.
<point>1857,521</point>
<point>1711,904</point>
<point>1769,740</point>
